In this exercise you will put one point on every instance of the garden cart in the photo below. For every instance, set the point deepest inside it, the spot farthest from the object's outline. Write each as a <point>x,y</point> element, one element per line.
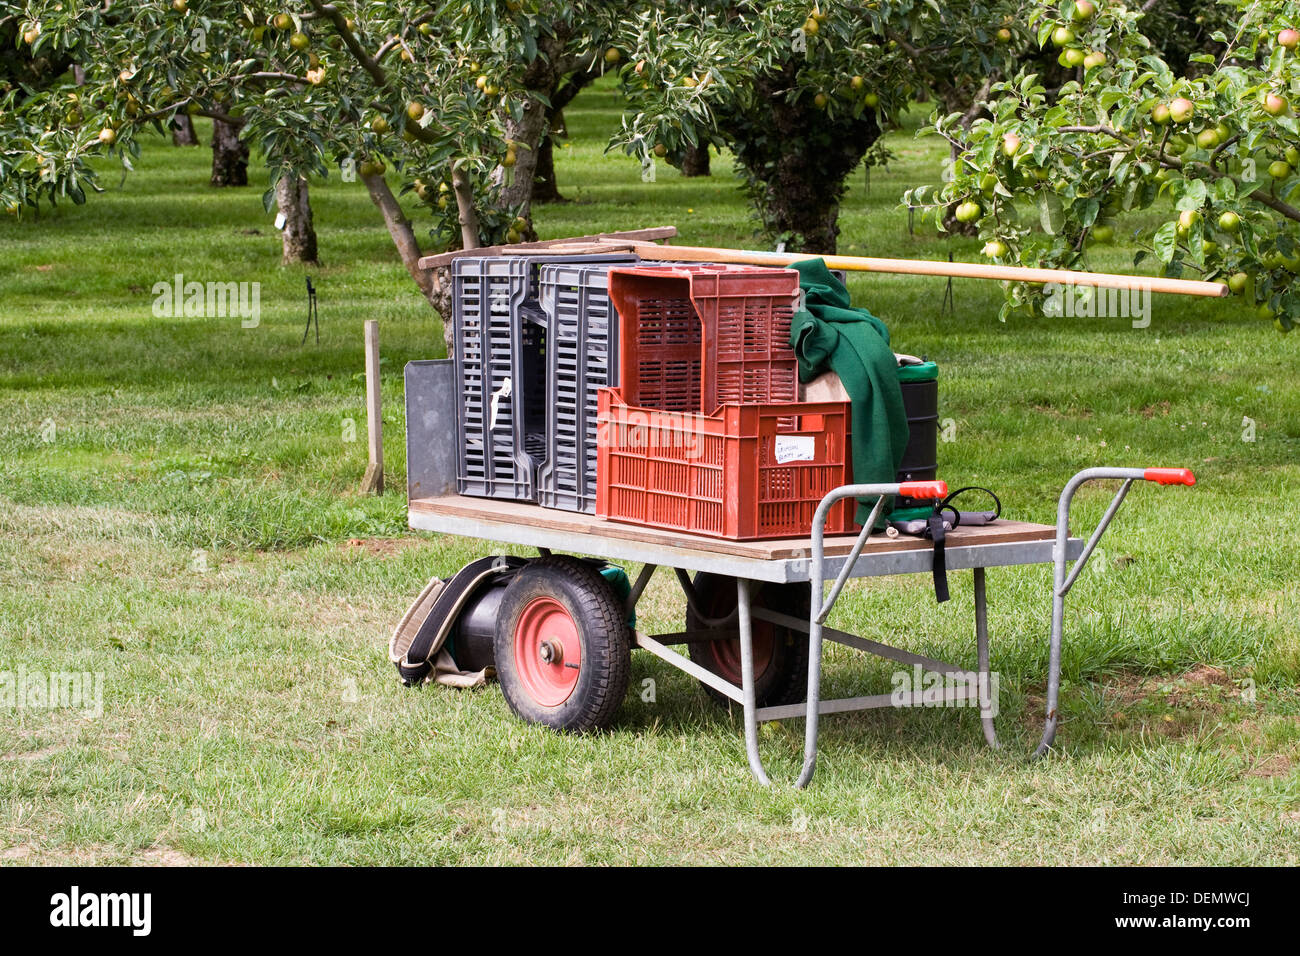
<point>757,610</point>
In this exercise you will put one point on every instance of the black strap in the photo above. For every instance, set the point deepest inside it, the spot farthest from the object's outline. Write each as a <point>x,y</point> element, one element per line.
<point>947,502</point>
<point>418,661</point>
<point>935,531</point>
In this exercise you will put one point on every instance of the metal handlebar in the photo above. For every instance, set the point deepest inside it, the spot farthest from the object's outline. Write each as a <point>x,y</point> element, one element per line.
<point>822,603</point>
<point>1063,582</point>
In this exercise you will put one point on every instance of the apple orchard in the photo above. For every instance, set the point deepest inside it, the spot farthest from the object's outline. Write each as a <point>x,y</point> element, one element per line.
<point>1060,119</point>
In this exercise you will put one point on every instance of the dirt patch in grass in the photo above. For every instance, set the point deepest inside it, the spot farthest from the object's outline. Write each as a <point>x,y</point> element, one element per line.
<point>162,856</point>
<point>1190,689</point>
<point>1173,706</point>
<point>30,755</point>
<point>381,547</point>
<point>1205,675</point>
<point>1279,765</point>
<point>1187,689</point>
<point>1160,408</point>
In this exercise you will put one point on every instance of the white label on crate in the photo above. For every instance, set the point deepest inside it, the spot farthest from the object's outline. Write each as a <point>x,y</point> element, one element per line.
<point>500,393</point>
<point>795,448</point>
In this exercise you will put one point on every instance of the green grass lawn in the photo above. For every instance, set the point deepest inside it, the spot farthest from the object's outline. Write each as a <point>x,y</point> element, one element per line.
<point>179,510</point>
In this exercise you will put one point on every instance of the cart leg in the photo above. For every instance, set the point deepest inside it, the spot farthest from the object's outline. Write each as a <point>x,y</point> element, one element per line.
<point>814,678</point>
<point>982,643</point>
<point>747,681</point>
<point>1054,667</point>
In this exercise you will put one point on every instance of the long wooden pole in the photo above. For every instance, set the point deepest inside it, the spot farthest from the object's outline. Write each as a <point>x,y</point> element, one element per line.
<point>926,267</point>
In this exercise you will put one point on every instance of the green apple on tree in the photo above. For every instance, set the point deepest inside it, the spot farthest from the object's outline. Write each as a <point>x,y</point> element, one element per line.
<point>1181,109</point>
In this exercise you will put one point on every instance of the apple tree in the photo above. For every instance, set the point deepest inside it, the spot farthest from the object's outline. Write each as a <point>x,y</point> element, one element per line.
<point>1212,150</point>
<point>452,98</point>
<point>801,91</point>
<point>140,65</point>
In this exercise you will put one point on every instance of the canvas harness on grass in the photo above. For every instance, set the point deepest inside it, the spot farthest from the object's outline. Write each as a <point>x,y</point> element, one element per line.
<point>424,629</point>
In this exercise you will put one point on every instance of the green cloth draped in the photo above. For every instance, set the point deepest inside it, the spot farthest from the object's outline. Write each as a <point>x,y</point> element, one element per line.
<point>829,334</point>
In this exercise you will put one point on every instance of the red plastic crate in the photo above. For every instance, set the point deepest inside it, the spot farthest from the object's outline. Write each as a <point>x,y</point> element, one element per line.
<point>747,472</point>
<point>696,337</point>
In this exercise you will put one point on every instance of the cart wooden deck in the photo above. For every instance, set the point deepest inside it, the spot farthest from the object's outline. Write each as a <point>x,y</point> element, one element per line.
<point>995,545</point>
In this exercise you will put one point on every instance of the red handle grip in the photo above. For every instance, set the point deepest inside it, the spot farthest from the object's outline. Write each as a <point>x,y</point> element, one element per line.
<point>1170,476</point>
<point>924,489</point>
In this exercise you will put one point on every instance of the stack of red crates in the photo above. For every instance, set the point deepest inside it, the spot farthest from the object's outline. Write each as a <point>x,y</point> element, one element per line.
<point>704,433</point>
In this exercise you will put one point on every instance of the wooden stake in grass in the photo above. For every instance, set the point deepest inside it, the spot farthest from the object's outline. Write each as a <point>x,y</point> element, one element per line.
<point>373,482</point>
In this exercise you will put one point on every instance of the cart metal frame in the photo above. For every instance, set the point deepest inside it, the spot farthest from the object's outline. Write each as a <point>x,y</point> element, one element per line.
<point>428,405</point>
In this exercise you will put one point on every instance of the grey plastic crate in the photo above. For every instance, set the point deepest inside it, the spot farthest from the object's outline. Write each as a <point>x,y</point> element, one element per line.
<point>582,357</point>
<point>500,334</point>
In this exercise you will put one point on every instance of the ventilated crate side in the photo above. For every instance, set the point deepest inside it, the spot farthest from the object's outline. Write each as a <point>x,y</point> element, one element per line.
<point>659,346</point>
<point>490,341</point>
<point>583,343</point>
<point>697,338</point>
<point>501,353</point>
<point>746,317</point>
<point>749,471</point>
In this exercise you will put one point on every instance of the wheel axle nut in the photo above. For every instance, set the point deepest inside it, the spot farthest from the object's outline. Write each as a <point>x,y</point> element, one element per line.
<point>550,652</point>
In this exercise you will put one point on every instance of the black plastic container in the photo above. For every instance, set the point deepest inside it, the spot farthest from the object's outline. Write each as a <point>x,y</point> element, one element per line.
<point>920,387</point>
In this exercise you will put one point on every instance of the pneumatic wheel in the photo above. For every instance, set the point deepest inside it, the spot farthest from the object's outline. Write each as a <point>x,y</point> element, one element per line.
<point>780,653</point>
<point>562,645</point>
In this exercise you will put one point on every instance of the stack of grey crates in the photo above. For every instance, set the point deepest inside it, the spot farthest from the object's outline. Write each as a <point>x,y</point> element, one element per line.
<point>525,427</point>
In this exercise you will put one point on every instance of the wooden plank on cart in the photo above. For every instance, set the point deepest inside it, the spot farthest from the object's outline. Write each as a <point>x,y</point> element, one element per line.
<point>575,249</point>
<point>579,525</point>
<point>652,235</point>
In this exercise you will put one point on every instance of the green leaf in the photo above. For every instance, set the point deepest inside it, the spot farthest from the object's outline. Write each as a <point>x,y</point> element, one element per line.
<point>1088,210</point>
<point>1051,213</point>
<point>1166,242</point>
<point>1194,194</point>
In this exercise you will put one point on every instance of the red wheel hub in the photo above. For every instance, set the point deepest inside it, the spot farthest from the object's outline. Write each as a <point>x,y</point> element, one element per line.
<point>548,653</point>
<point>726,654</point>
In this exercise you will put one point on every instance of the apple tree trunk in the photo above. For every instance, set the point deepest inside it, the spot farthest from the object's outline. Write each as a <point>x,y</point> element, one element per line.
<point>183,131</point>
<point>553,80</point>
<point>526,133</point>
<point>695,161</point>
<point>796,159</point>
<point>299,233</point>
<point>229,155</point>
<point>545,189</point>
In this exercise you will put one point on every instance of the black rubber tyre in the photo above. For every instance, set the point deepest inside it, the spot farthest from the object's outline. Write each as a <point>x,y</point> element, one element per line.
<point>564,603</point>
<point>780,654</point>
